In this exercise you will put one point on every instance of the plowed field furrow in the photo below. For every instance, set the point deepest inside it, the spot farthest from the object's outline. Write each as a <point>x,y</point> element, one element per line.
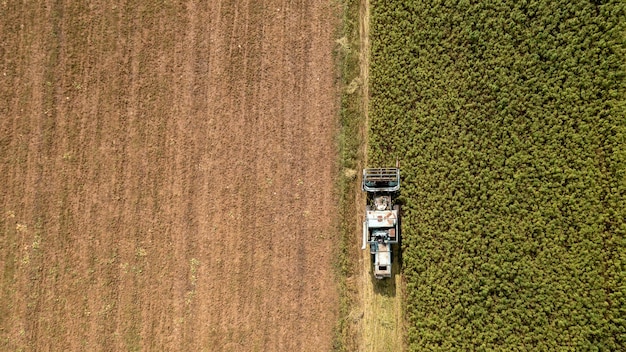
<point>167,176</point>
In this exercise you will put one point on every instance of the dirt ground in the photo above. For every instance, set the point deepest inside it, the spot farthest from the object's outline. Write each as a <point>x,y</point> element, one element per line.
<point>166,175</point>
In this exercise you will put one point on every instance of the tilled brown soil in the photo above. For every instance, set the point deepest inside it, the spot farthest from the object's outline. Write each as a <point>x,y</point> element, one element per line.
<point>166,176</point>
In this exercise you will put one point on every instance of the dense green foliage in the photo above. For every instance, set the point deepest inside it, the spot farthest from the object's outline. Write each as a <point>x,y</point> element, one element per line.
<point>508,118</point>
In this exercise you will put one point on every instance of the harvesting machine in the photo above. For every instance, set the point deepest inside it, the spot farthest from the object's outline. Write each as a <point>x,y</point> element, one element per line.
<point>381,228</point>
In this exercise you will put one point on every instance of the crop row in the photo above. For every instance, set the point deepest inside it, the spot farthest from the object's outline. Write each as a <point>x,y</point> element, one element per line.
<point>508,118</point>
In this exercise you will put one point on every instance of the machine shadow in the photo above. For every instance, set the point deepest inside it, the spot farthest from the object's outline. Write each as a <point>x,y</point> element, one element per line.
<point>385,287</point>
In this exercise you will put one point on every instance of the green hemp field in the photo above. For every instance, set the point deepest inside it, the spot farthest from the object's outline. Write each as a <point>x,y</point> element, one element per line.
<point>508,120</point>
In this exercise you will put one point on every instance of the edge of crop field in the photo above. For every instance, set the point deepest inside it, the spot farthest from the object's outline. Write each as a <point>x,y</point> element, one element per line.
<point>350,140</point>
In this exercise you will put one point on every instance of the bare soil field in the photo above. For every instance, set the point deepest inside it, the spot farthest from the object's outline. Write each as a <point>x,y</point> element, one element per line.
<point>166,175</point>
